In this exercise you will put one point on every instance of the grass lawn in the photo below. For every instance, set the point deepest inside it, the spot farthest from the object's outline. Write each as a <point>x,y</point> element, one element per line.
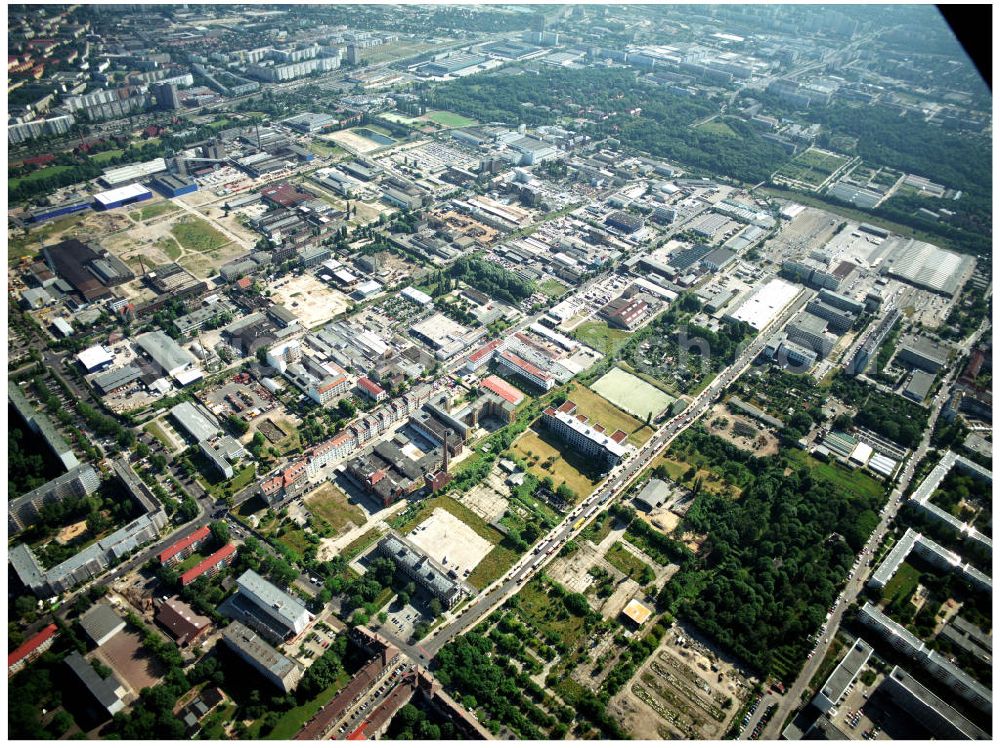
<point>198,235</point>
<point>624,561</point>
<point>850,481</point>
<point>294,719</point>
<point>357,547</point>
<point>154,429</point>
<point>169,246</point>
<point>903,583</point>
<point>632,394</point>
<point>25,246</point>
<point>599,336</point>
<point>534,603</point>
<point>567,465</point>
<point>159,209</point>
<point>552,288</point>
<point>599,410</point>
<point>105,156</point>
<point>449,119</point>
<point>190,562</point>
<point>49,171</point>
<point>295,539</point>
<point>718,127</point>
<point>331,505</point>
<point>236,484</point>
<point>216,720</point>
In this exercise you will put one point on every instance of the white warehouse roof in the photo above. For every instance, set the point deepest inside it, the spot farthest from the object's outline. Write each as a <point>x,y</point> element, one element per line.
<point>121,193</point>
<point>94,356</point>
<point>766,303</point>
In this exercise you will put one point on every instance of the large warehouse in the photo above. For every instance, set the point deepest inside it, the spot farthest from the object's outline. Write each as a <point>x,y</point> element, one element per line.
<point>116,198</point>
<point>926,266</point>
<point>766,303</point>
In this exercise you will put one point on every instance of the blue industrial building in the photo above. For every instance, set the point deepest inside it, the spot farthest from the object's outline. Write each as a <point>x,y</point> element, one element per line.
<point>173,185</point>
<point>54,211</point>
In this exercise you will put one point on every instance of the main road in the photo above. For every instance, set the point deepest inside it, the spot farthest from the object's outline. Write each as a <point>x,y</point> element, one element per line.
<point>619,479</point>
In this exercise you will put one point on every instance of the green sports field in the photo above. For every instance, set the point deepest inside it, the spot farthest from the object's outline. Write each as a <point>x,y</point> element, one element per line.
<point>632,394</point>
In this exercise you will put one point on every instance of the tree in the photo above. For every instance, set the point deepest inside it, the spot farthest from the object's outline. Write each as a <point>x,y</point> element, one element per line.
<point>565,493</point>
<point>435,607</point>
<point>220,532</point>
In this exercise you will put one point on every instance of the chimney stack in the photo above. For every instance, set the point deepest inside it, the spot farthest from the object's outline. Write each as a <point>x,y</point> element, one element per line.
<point>444,462</point>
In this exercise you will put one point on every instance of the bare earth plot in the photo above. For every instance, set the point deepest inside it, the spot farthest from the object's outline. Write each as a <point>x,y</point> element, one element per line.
<point>352,142</point>
<point>450,542</point>
<point>309,298</point>
<point>127,656</point>
<point>743,432</point>
<point>333,507</point>
<point>631,394</point>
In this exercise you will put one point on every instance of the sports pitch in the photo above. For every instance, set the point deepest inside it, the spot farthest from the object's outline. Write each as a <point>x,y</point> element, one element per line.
<point>632,394</point>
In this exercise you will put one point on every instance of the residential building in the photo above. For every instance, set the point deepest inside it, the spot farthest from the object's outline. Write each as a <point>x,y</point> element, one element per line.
<point>211,565</point>
<point>843,677</point>
<point>31,649</point>
<point>277,669</point>
<point>591,441</point>
<point>935,715</point>
<point>185,546</point>
<point>265,608</point>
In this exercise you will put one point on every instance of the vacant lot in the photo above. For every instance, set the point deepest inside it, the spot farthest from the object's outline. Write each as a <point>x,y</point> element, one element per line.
<point>625,562</point>
<point>552,288</point>
<point>127,656</point>
<point>564,464</point>
<point>812,167</point>
<point>849,481</point>
<point>599,336</point>
<point>198,235</point>
<point>149,212</point>
<point>331,505</point>
<point>450,542</point>
<point>631,394</point>
<point>308,298</point>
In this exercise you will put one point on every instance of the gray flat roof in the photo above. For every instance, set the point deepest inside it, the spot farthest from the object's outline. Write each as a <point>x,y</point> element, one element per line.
<point>248,641</point>
<point>280,604</point>
<point>197,421</point>
<point>100,621</point>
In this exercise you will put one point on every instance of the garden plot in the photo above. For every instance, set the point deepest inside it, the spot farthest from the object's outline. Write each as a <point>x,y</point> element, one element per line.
<point>450,542</point>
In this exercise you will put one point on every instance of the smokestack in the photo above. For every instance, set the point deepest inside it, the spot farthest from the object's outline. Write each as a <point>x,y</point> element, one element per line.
<point>444,462</point>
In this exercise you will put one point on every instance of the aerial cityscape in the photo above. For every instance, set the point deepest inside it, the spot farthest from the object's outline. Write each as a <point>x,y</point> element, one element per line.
<point>499,371</point>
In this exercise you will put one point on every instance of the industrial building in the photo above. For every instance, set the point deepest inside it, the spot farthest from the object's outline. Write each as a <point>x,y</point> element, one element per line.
<point>653,495</point>
<point>174,185</point>
<point>132,172</point>
<point>265,608</point>
<point>809,331</point>
<point>926,266</point>
<point>113,380</point>
<point>173,360</point>
<point>625,222</point>
<point>108,692</point>
<point>923,353</point>
<point>310,122</point>
<point>95,358</point>
<point>591,441</point>
<point>417,565</point>
<point>101,623</point>
<point>512,364</point>
<point>765,303</point>
<point>77,263</point>
<point>277,669</point>
<point>196,421</point>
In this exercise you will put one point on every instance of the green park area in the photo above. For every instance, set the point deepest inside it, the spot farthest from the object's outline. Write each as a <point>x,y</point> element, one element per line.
<point>717,127</point>
<point>552,288</point>
<point>903,583</point>
<point>812,167</point>
<point>599,410</point>
<point>547,457</point>
<point>38,175</point>
<point>148,212</point>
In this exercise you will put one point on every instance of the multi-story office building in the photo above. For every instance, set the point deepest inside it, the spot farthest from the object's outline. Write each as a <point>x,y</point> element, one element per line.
<point>590,440</point>
<point>423,570</point>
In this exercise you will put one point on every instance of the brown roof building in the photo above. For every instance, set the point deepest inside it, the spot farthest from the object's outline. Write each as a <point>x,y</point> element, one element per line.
<point>182,622</point>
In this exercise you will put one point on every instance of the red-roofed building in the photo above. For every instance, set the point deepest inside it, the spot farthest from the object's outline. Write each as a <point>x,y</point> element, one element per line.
<point>290,483</point>
<point>182,622</point>
<point>619,436</point>
<point>370,389</point>
<point>286,195</point>
<point>39,160</point>
<point>507,391</point>
<point>480,358</point>
<point>31,649</point>
<point>185,546</point>
<point>244,283</point>
<point>211,565</point>
<point>517,366</point>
